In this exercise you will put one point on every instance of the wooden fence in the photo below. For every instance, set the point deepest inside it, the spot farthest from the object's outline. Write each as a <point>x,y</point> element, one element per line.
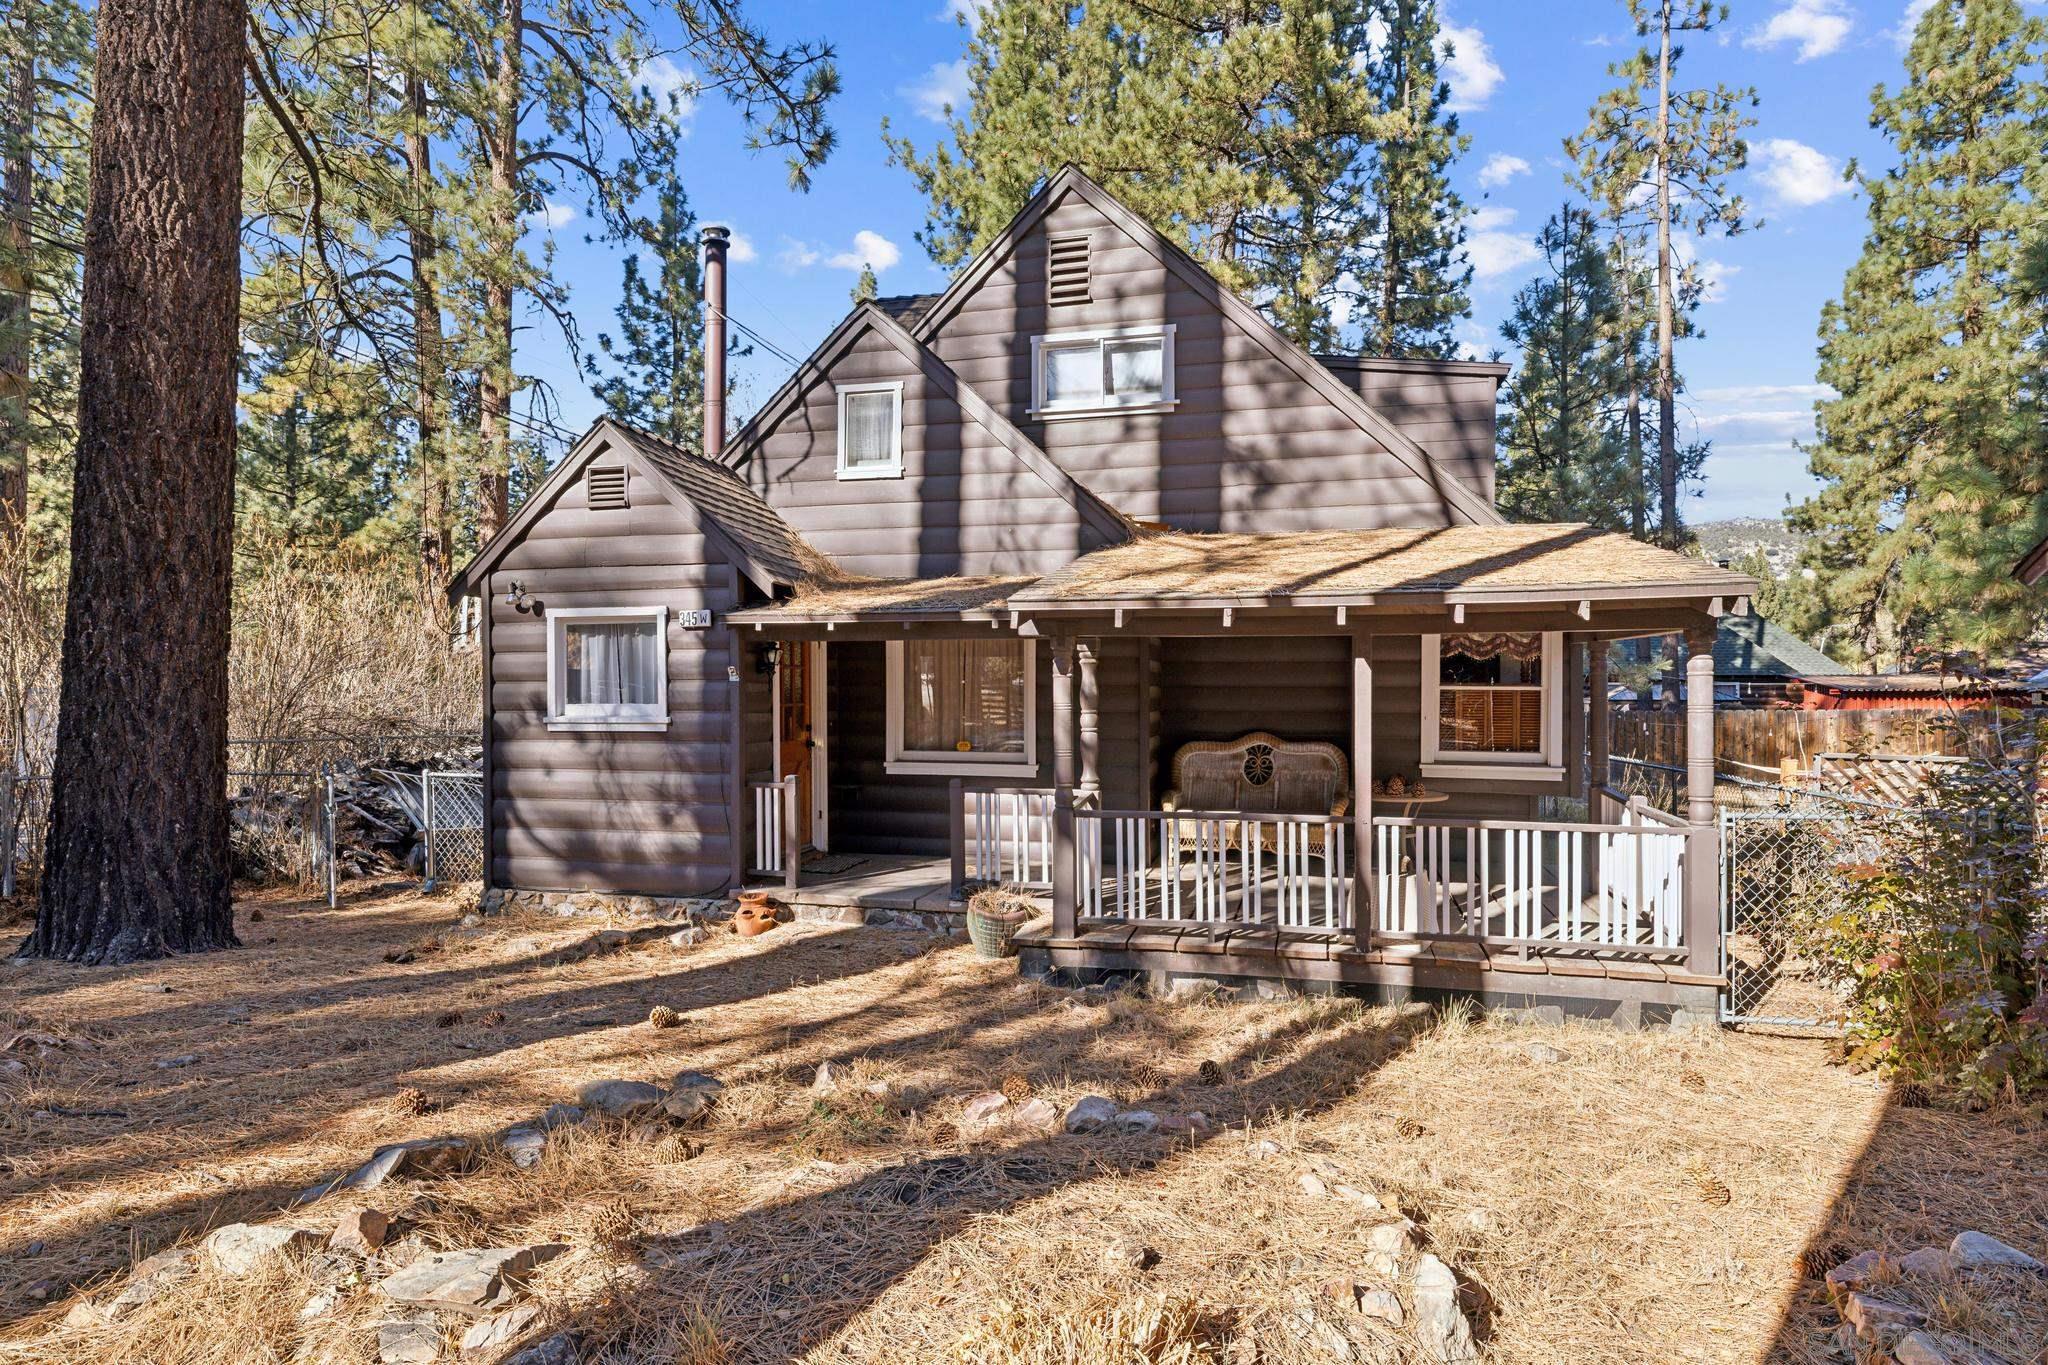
<point>1767,739</point>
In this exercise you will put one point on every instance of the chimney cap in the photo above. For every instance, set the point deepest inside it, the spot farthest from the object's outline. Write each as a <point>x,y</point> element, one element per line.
<point>716,232</point>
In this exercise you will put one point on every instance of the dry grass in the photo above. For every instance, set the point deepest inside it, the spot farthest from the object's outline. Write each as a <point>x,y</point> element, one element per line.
<point>869,1224</point>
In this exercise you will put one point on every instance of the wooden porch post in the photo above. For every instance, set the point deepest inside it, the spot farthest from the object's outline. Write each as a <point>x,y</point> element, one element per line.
<point>1090,784</point>
<point>1597,774</point>
<point>1364,914</point>
<point>1703,842</point>
<point>1575,714</point>
<point>956,835</point>
<point>1064,909</point>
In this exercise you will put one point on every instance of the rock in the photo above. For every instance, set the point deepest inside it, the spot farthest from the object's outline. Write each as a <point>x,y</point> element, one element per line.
<point>1854,1273</point>
<point>422,1156</point>
<point>1195,1123</point>
<point>1440,1325</point>
<point>642,906</point>
<point>1137,1121</point>
<point>1928,1263</point>
<point>151,1277</point>
<point>1870,1314</point>
<point>473,1281</point>
<point>827,1079</point>
<point>1040,1114</point>
<point>240,1248</point>
<point>1543,1054</point>
<point>563,1348</point>
<point>1382,1305</point>
<point>1979,1250</point>
<point>619,1099</point>
<point>359,1231</point>
<point>1482,1221</point>
<point>1129,1253</point>
<point>1091,1114</point>
<point>697,1080</point>
<point>524,1146</point>
<point>1917,1348</point>
<point>981,1110</point>
<point>687,1107</point>
<point>323,1302</point>
<point>173,1063</point>
<point>1685,1021</point>
<point>1314,1185</point>
<point>1365,1199</point>
<point>500,1329</point>
<point>41,1290</point>
<point>689,936</point>
<point>561,1116</point>
<point>1395,1239</point>
<point>408,1341</point>
<point>1265,1149</point>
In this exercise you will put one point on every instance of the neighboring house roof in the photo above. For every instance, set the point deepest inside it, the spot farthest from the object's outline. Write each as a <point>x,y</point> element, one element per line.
<point>1909,684</point>
<point>1748,646</point>
<point>750,532</point>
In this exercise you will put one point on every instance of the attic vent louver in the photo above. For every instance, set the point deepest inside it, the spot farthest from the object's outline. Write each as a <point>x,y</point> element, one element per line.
<point>1066,269</point>
<point>605,487</point>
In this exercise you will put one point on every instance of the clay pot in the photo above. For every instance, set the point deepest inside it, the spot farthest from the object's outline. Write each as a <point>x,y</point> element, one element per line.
<point>756,914</point>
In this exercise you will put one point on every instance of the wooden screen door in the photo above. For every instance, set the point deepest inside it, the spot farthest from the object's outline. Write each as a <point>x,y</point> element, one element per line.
<point>797,709</point>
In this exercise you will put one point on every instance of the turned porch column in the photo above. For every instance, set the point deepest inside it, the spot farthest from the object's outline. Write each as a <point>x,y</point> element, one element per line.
<point>1063,755</point>
<point>1575,714</point>
<point>1364,914</point>
<point>1597,774</point>
<point>1090,781</point>
<point>1703,842</point>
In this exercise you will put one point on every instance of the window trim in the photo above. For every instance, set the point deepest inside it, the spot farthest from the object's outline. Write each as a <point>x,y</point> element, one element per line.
<point>892,470</point>
<point>899,762</point>
<point>620,718</point>
<point>1546,766</point>
<point>1167,400</point>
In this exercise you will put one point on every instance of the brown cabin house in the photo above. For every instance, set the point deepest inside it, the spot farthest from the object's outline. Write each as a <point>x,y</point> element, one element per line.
<point>1080,576</point>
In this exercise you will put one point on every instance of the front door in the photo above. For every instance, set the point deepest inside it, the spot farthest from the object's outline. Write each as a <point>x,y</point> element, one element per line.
<point>795,711</point>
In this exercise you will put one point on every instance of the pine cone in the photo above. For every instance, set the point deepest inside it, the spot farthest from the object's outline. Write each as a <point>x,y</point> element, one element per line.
<point>1816,1261</point>
<point>412,1101</point>
<point>675,1149</point>
<point>493,1019</point>
<point>1410,1127</point>
<point>256,915</point>
<point>448,1020</point>
<point>1017,1087</point>
<point>1692,1080</point>
<point>661,1016</point>
<point>1150,1077</point>
<point>614,1226</point>
<point>944,1133</point>
<point>1210,1072</point>
<point>1709,1187</point>
<point>1910,1096</point>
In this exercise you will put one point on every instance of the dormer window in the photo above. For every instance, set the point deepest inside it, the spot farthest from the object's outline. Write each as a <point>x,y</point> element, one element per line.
<point>1129,369</point>
<point>871,431</point>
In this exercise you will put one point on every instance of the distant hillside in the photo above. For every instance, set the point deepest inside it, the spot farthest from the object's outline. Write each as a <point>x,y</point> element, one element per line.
<point>1734,538</point>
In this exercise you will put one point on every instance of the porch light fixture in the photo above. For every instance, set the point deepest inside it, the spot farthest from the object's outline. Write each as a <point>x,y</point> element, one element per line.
<point>766,658</point>
<point>516,598</point>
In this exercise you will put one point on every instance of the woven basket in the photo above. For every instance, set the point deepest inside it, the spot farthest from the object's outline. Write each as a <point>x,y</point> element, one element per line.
<point>993,919</point>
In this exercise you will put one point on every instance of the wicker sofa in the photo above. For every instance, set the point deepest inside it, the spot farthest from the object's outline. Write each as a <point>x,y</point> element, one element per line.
<point>1260,774</point>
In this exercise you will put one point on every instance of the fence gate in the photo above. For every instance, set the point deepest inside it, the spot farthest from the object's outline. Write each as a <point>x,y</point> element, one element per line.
<point>1779,870</point>
<point>454,807</point>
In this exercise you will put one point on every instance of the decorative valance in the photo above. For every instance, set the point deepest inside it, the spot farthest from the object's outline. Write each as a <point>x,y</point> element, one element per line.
<point>1526,647</point>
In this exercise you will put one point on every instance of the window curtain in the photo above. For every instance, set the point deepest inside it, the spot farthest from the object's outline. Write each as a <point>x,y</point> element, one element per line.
<point>1524,647</point>
<point>870,429</point>
<point>963,693</point>
<point>612,664</point>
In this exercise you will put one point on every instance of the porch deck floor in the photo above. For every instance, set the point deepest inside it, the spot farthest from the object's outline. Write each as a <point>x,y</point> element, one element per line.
<point>869,882</point>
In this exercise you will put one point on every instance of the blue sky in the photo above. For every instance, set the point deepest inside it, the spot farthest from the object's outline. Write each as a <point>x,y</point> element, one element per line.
<point>1523,76</point>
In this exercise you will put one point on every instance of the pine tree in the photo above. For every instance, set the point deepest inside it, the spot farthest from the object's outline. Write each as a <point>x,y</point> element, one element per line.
<point>1561,458</point>
<point>656,364</point>
<point>1932,458</point>
<point>1413,278</point>
<point>1240,132</point>
<point>867,287</point>
<point>1671,151</point>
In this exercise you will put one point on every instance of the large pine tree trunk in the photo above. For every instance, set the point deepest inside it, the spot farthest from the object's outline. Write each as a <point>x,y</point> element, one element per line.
<point>1667,315</point>
<point>16,303</point>
<point>494,387</point>
<point>137,860</point>
<point>434,538</point>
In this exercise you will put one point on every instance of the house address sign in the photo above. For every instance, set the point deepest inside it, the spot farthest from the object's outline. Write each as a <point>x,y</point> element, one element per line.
<point>694,620</point>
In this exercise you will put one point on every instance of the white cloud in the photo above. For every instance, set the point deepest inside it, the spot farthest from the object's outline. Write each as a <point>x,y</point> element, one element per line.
<point>1755,427</point>
<point>966,12</point>
<point>1492,248</point>
<point>943,88</point>
<point>1501,168</point>
<point>1468,66</point>
<point>870,249</point>
<point>1798,175</point>
<point>1489,218</point>
<point>741,250</point>
<point>1915,11</point>
<point>797,255</point>
<point>1710,274</point>
<point>550,216</point>
<point>1817,26</point>
<point>663,78</point>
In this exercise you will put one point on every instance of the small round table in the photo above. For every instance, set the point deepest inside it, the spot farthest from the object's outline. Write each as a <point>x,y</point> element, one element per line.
<point>1409,801</point>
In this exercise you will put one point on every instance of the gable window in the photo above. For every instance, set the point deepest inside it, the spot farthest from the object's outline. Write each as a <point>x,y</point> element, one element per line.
<point>871,431</point>
<point>608,668</point>
<point>1129,369</point>
<point>1492,704</point>
<point>962,707</point>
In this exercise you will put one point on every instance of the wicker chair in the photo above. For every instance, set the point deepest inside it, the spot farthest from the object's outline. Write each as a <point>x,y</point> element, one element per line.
<point>1260,774</point>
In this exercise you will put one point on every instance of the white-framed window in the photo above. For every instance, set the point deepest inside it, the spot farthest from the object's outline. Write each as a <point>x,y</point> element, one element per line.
<point>963,708</point>
<point>1128,369</point>
<point>871,431</point>
<point>1492,705</point>
<point>608,668</point>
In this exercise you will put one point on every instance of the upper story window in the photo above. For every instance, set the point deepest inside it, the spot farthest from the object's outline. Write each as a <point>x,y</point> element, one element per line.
<point>608,668</point>
<point>1128,369</point>
<point>871,431</point>
<point>1492,701</point>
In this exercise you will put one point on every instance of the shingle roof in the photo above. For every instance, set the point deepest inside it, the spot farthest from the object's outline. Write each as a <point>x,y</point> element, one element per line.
<point>1466,560</point>
<point>1751,647</point>
<point>943,598</point>
<point>908,309</point>
<point>755,527</point>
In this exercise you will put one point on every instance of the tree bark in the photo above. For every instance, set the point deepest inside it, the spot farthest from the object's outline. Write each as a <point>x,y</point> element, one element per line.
<point>1667,317</point>
<point>136,864</point>
<point>494,418</point>
<point>434,538</point>
<point>17,315</point>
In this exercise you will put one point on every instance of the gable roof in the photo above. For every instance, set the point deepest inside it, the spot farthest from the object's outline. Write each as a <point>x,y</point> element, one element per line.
<point>747,530</point>
<point>1070,179</point>
<point>1748,646</point>
<point>908,309</point>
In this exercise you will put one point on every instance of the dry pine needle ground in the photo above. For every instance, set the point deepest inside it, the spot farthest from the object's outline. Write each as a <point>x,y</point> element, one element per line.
<point>1578,1200</point>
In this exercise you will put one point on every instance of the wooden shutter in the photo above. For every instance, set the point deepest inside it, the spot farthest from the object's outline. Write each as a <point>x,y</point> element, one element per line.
<point>1066,269</point>
<point>605,487</point>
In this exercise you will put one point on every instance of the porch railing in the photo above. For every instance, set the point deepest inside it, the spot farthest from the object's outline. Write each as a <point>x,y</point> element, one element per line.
<point>777,847</point>
<point>1215,867</point>
<point>1001,834</point>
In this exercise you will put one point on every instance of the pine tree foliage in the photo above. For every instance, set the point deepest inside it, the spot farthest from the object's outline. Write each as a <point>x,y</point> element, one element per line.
<point>653,369</point>
<point>1932,457</point>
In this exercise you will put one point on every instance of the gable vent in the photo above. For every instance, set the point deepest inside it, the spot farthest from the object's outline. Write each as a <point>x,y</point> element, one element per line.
<point>605,487</point>
<point>1066,269</point>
